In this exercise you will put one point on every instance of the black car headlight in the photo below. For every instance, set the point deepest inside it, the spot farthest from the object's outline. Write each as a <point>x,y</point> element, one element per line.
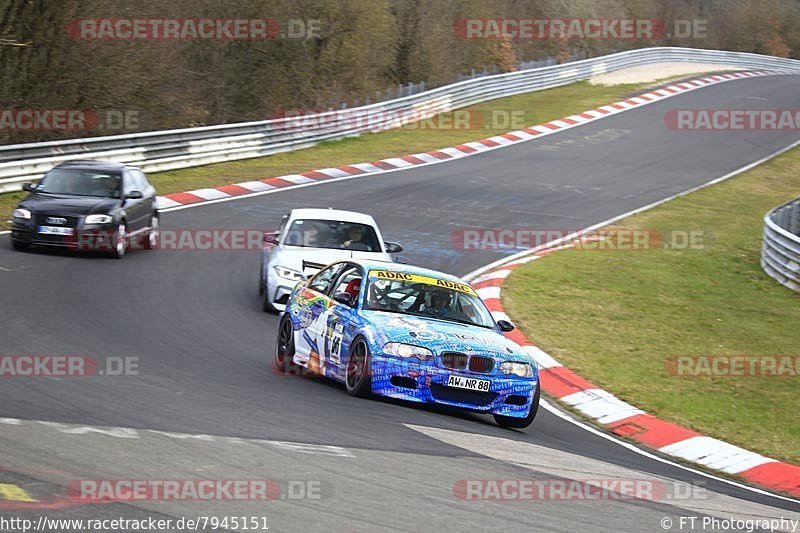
<point>21,213</point>
<point>98,219</point>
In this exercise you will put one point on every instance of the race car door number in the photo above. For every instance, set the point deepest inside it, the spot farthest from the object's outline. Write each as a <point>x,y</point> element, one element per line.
<point>461,382</point>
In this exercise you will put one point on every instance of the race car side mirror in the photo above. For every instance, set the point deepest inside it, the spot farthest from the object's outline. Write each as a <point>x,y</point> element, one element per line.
<point>393,248</point>
<point>344,298</point>
<point>271,237</point>
<point>505,326</point>
<point>28,187</point>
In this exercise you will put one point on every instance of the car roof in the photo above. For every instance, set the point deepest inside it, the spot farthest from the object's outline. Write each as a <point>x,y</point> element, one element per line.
<point>332,214</point>
<point>372,264</point>
<point>95,165</point>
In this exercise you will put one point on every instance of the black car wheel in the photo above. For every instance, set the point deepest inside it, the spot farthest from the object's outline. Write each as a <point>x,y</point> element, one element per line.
<point>519,423</point>
<point>358,378</point>
<point>284,345</point>
<point>20,246</point>
<point>120,243</point>
<point>151,240</point>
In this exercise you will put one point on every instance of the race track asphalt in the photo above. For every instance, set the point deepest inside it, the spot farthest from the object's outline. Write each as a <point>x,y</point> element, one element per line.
<point>194,321</point>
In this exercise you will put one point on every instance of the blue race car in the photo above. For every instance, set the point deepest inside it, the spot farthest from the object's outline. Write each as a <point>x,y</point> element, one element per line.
<point>408,333</point>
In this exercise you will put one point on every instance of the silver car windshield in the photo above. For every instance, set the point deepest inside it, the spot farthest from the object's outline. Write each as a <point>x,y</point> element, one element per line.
<point>334,234</point>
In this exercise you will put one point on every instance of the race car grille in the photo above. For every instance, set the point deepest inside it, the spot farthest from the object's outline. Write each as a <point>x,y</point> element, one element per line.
<point>451,394</point>
<point>461,361</point>
<point>454,360</point>
<point>69,222</point>
<point>480,364</point>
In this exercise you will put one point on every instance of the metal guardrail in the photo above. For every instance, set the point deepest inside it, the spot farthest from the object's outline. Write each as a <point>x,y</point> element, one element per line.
<point>780,253</point>
<point>182,148</point>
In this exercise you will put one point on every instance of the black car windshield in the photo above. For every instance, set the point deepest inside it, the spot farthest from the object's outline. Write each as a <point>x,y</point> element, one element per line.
<point>336,234</point>
<point>81,183</point>
<point>411,294</point>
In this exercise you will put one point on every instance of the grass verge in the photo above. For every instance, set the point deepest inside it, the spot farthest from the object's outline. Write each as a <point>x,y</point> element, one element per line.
<point>531,108</point>
<point>616,317</point>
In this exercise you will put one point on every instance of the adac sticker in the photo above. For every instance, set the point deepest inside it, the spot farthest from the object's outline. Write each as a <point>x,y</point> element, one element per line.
<point>405,276</point>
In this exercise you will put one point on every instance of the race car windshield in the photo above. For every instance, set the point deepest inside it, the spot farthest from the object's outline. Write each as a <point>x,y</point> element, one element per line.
<point>430,298</point>
<point>81,183</point>
<point>334,234</point>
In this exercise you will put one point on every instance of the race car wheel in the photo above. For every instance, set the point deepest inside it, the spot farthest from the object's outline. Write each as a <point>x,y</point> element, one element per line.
<point>284,346</point>
<point>358,380</point>
<point>519,423</point>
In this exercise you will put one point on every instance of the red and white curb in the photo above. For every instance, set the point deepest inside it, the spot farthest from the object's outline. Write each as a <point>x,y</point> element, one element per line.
<point>264,186</point>
<point>627,421</point>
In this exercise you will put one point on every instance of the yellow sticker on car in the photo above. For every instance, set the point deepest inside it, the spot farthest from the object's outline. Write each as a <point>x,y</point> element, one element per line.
<point>393,275</point>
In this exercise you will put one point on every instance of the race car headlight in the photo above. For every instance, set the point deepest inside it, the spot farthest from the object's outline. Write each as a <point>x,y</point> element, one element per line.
<point>523,370</point>
<point>288,273</point>
<point>98,219</point>
<point>21,213</point>
<point>398,349</point>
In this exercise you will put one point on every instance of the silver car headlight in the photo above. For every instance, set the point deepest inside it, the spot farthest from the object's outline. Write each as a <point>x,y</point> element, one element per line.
<point>98,219</point>
<point>21,213</point>
<point>523,370</point>
<point>288,273</point>
<point>399,349</point>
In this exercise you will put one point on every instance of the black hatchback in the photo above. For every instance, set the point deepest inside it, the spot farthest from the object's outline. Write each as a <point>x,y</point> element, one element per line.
<point>88,205</point>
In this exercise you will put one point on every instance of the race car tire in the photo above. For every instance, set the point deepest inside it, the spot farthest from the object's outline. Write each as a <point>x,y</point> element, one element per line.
<point>358,376</point>
<point>519,423</point>
<point>284,346</point>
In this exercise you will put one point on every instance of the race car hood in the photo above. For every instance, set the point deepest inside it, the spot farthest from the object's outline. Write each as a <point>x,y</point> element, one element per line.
<point>309,261</point>
<point>442,336</point>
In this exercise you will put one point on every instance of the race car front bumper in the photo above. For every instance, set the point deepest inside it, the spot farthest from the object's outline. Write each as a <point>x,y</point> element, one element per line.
<point>425,382</point>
